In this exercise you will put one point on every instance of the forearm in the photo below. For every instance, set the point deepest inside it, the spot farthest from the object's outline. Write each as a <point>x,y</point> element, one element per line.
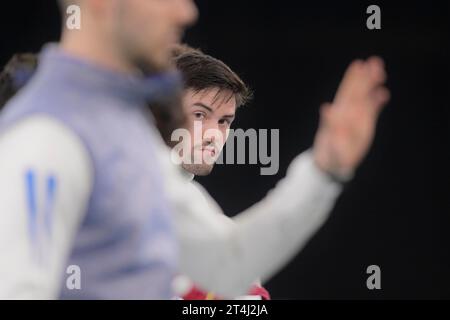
<point>226,258</point>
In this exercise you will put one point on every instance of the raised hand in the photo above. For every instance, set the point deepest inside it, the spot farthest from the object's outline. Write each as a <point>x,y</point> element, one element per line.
<point>347,126</point>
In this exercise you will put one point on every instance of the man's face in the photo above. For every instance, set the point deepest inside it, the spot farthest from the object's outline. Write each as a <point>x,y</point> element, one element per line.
<point>147,29</point>
<point>210,113</point>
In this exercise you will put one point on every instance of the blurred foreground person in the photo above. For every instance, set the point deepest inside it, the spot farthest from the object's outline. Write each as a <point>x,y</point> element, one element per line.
<point>80,180</point>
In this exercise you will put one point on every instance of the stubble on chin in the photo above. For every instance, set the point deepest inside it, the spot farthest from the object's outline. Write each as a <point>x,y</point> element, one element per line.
<point>198,169</point>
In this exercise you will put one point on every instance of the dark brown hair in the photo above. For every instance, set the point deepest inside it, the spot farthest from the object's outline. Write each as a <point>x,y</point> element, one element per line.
<point>201,72</point>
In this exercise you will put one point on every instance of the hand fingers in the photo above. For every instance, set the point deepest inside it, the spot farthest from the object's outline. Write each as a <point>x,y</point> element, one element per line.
<point>359,81</point>
<point>380,96</point>
<point>352,76</point>
<point>376,70</point>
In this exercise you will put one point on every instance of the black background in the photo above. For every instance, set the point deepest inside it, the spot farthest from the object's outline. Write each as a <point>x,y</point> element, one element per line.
<point>396,212</point>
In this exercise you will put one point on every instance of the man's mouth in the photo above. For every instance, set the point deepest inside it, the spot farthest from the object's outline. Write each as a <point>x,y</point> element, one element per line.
<point>211,150</point>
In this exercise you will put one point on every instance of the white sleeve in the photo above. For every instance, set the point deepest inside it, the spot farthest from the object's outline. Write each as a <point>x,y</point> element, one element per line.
<point>226,257</point>
<point>45,184</point>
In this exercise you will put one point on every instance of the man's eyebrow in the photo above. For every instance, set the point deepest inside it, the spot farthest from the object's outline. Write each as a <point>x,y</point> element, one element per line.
<point>199,104</point>
<point>202,105</point>
<point>230,116</point>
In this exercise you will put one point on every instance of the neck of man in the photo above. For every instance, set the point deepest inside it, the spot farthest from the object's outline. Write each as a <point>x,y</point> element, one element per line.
<point>189,175</point>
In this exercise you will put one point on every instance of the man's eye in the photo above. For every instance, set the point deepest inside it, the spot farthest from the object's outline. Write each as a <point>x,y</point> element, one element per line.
<point>199,115</point>
<point>224,122</point>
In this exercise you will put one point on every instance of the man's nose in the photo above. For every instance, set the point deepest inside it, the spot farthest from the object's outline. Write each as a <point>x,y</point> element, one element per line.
<point>211,131</point>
